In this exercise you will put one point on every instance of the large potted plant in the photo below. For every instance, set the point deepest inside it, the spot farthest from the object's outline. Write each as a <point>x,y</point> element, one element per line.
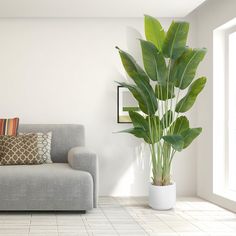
<point>165,89</point>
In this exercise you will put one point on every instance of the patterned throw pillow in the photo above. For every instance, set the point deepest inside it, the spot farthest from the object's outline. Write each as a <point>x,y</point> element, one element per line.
<point>19,150</point>
<point>9,126</point>
<point>44,146</point>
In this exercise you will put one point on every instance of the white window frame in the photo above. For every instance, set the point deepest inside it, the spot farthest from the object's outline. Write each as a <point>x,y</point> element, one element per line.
<point>228,32</point>
<point>221,110</point>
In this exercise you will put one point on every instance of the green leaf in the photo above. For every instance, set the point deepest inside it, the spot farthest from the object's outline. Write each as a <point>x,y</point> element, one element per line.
<point>179,125</point>
<point>137,95</point>
<point>131,66</point>
<point>154,31</point>
<point>144,94</point>
<point>138,120</point>
<point>141,127</point>
<point>187,102</point>
<point>185,67</point>
<point>137,132</point>
<point>189,135</point>
<point>175,40</point>
<point>148,94</point>
<point>176,141</point>
<point>154,62</point>
<point>165,92</point>
<point>167,119</point>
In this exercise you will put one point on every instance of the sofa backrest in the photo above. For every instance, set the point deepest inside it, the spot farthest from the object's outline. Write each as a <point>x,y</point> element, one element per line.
<point>64,137</point>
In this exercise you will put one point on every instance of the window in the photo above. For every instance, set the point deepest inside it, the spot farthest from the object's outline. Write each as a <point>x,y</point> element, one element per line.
<point>231,144</point>
<point>224,110</point>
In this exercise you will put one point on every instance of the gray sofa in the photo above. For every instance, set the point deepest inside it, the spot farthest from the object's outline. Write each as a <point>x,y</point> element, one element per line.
<point>70,183</point>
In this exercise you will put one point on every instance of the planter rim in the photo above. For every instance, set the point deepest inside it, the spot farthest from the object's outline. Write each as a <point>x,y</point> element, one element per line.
<point>163,186</point>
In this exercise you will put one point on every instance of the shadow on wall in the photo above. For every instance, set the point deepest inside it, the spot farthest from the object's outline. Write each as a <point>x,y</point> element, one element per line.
<point>134,179</point>
<point>133,44</point>
<point>131,162</point>
<point>124,165</point>
<point>127,172</point>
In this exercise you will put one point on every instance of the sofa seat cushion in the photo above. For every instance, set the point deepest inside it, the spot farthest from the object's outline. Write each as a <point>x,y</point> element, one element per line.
<point>45,187</point>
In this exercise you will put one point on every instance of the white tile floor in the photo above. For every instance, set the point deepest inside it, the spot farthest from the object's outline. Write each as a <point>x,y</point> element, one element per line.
<point>125,216</point>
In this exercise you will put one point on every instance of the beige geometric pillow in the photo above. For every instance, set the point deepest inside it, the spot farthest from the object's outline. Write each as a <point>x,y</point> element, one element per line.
<point>19,150</point>
<point>44,146</point>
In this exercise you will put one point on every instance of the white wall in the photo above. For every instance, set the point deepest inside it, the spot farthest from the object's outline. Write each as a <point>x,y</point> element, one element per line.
<point>209,16</point>
<point>63,71</point>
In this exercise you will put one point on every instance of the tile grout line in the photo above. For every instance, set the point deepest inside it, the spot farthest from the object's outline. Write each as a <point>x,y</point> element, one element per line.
<point>57,224</point>
<point>133,218</point>
<point>85,225</point>
<point>109,219</point>
<point>30,223</point>
<point>165,224</point>
<point>200,228</point>
<point>185,220</point>
<point>188,222</point>
<point>192,219</point>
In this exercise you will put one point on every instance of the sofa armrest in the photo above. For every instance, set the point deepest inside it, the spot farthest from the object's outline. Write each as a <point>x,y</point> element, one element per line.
<point>80,158</point>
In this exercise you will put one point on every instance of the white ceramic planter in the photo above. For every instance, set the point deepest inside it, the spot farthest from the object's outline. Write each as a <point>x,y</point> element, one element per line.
<point>162,197</point>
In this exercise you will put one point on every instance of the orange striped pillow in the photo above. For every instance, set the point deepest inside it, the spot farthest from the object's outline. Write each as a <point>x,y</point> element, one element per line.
<point>9,126</point>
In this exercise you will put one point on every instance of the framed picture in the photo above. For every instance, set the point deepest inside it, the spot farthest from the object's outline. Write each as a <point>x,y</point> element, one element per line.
<point>125,103</point>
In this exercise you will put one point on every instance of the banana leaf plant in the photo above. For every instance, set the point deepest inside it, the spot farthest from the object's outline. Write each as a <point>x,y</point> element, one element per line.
<point>165,88</point>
